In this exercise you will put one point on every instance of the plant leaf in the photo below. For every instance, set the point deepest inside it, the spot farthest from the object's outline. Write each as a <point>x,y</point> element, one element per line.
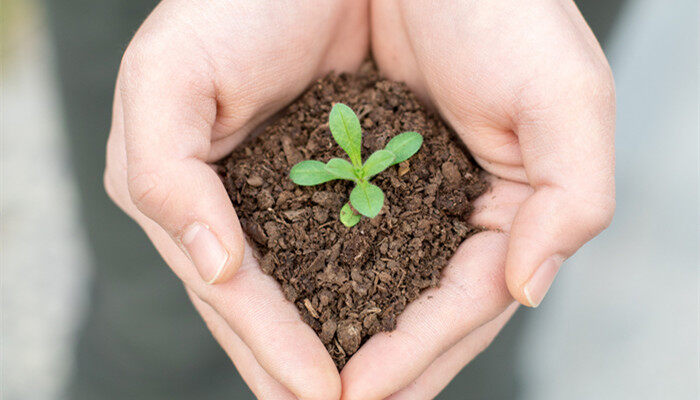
<point>367,199</point>
<point>346,131</point>
<point>378,162</point>
<point>309,173</point>
<point>348,217</point>
<point>404,145</point>
<point>341,169</point>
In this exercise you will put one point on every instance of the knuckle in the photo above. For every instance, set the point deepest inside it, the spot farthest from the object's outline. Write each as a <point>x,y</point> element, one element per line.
<point>598,214</point>
<point>114,188</point>
<point>149,193</point>
<point>594,82</point>
<point>589,85</point>
<point>604,214</point>
<point>584,213</point>
<point>145,53</point>
<point>131,66</point>
<point>108,184</point>
<point>161,53</point>
<point>111,172</point>
<point>588,89</point>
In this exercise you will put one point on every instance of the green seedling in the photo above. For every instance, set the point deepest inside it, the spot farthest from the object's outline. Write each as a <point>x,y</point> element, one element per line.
<point>367,199</point>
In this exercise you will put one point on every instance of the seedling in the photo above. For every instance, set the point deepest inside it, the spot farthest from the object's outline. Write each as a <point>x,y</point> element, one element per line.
<point>365,198</point>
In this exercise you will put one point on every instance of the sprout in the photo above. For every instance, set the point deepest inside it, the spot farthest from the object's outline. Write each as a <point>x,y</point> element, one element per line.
<point>365,198</point>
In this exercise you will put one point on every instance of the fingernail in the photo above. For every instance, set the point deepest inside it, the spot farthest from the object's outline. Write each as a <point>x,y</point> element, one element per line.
<point>205,250</point>
<point>538,285</point>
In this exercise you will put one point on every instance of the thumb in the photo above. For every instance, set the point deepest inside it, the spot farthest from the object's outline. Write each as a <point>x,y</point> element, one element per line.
<point>548,228</point>
<point>568,154</point>
<point>168,112</point>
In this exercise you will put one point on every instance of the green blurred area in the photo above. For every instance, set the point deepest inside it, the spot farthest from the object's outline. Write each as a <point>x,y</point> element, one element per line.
<point>16,17</point>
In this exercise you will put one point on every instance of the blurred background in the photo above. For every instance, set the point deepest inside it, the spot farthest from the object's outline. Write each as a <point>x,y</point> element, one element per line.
<point>621,321</point>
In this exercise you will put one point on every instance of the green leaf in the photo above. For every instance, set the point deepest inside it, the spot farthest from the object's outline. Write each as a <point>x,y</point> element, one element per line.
<point>404,145</point>
<point>309,173</point>
<point>346,131</point>
<point>367,199</point>
<point>341,169</point>
<point>378,162</point>
<point>348,217</point>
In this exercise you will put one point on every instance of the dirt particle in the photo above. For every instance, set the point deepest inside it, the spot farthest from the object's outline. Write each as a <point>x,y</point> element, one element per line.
<point>451,173</point>
<point>254,230</point>
<point>267,263</point>
<point>272,229</point>
<point>294,215</point>
<point>349,336</point>
<point>311,309</point>
<point>254,181</point>
<point>327,331</point>
<point>370,321</point>
<point>291,153</point>
<point>290,293</point>
<point>404,167</point>
<point>325,297</point>
<point>265,199</point>
<point>321,214</point>
<point>326,199</point>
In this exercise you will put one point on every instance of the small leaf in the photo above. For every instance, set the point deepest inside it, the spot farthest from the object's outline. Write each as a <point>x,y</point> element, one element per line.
<point>367,199</point>
<point>346,131</point>
<point>309,173</point>
<point>348,217</point>
<point>404,145</point>
<point>378,162</point>
<point>341,169</point>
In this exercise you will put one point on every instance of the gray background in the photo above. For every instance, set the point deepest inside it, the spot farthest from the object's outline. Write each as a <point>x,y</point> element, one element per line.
<point>621,321</point>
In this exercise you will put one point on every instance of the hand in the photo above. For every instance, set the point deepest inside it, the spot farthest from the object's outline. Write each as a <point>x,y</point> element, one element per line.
<point>529,91</point>
<point>197,77</point>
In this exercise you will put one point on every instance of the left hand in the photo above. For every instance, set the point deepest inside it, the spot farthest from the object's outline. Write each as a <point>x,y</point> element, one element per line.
<point>529,91</point>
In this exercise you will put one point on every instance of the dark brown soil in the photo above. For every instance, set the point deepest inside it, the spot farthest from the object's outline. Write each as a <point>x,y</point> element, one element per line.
<point>350,283</point>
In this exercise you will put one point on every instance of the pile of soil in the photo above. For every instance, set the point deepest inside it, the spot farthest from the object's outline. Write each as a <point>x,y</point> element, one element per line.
<point>350,283</point>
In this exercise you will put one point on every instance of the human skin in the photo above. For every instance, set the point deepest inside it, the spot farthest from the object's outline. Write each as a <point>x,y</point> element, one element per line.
<point>526,88</point>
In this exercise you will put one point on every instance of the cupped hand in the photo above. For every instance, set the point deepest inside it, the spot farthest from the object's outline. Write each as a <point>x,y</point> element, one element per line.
<point>196,78</point>
<point>529,91</point>
<point>526,88</point>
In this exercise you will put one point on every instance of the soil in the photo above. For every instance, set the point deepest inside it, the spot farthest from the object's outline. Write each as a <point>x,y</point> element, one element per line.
<point>350,283</point>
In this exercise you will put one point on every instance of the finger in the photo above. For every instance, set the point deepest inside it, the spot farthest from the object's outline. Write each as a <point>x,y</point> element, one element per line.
<point>251,303</point>
<point>169,108</point>
<point>448,365</point>
<point>568,154</point>
<point>472,292</point>
<point>496,209</point>
<point>257,379</point>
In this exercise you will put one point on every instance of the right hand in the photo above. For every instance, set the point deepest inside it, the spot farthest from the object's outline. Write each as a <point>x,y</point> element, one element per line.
<point>195,80</point>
